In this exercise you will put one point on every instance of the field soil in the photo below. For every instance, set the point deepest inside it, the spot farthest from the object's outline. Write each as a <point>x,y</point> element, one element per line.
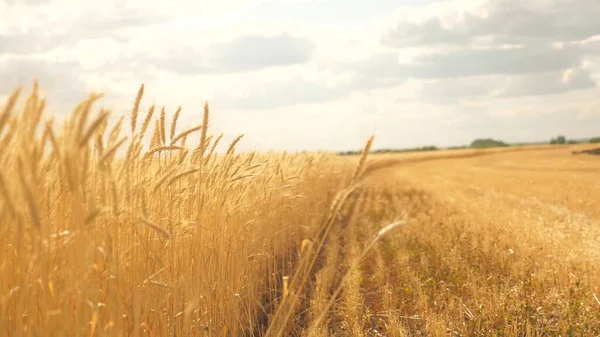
<point>496,243</point>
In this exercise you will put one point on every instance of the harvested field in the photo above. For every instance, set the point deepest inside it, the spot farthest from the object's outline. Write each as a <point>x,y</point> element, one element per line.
<point>501,244</point>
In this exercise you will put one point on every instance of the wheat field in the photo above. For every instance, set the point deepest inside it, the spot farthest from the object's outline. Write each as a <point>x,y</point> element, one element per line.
<point>142,228</point>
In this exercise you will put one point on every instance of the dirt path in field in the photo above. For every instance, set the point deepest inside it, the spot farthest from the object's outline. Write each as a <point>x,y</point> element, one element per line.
<point>507,245</point>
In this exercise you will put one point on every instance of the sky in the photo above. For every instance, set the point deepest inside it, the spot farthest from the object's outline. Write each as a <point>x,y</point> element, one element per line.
<point>320,74</point>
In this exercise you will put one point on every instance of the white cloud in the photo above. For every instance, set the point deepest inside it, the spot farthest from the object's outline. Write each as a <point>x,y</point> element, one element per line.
<point>244,53</point>
<point>482,88</point>
<point>308,74</point>
<point>508,21</point>
<point>61,80</point>
<point>491,52</point>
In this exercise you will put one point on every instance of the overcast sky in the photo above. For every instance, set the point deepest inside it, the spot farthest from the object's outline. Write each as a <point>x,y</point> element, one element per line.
<point>321,74</point>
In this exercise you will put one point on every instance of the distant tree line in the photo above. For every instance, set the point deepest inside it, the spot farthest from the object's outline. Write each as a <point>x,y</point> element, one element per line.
<point>476,144</point>
<point>487,142</point>
<point>558,140</point>
<point>562,140</point>
<point>414,149</point>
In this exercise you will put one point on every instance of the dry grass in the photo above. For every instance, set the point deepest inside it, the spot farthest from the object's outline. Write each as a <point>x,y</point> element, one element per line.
<point>103,235</point>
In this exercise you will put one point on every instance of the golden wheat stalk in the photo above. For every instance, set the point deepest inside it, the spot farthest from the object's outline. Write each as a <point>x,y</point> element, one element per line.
<point>155,227</point>
<point>164,148</point>
<point>282,316</point>
<point>115,132</point>
<point>162,126</point>
<point>204,126</point>
<point>136,108</point>
<point>363,158</point>
<point>174,124</point>
<point>10,105</point>
<point>111,151</point>
<point>233,144</point>
<point>29,196</point>
<point>186,133</point>
<point>384,231</point>
<point>93,127</point>
<point>214,146</point>
<point>84,113</point>
<point>199,152</point>
<point>146,122</point>
<point>7,198</point>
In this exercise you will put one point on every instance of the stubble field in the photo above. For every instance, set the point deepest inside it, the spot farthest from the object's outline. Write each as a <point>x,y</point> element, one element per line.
<point>175,238</point>
<point>500,243</point>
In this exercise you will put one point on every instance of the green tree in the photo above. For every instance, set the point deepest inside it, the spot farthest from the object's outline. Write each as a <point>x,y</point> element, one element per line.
<point>559,140</point>
<point>487,142</point>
